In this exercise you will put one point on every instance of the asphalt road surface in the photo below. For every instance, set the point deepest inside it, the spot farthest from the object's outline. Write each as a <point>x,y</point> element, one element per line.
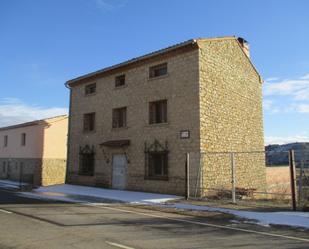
<point>36,224</point>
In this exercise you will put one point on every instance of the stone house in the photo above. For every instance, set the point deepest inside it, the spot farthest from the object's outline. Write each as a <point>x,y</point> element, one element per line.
<point>35,152</point>
<point>131,124</point>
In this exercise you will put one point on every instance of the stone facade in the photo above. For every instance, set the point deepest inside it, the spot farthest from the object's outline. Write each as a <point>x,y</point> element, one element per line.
<point>231,118</point>
<point>212,91</point>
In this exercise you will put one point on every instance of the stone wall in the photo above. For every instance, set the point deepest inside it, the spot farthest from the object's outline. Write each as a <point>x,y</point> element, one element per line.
<point>179,87</point>
<point>213,91</point>
<point>230,115</point>
<point>53,171</point>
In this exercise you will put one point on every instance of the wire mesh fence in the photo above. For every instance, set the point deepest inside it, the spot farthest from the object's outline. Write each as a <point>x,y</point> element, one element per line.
<point>258,178</point>
<point>19,173</point>
<point>302,178</point>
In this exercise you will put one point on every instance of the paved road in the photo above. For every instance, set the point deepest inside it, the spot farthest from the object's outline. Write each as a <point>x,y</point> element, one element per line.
<point>28,223</point>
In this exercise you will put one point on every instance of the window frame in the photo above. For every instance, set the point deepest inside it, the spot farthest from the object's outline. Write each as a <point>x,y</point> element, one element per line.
<point>154,71</point>
<point>118,80</point>
<point>90,86</point>
<point>151,161</point>
<point>87,127</point>
<point>157,115</point>
<point>82,165</point>
<point>5,140</point>
<point>23,139</point>
<point>117,113</point>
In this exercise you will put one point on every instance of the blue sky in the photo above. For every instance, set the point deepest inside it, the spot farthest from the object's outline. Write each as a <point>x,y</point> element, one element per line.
<point>45,43</point>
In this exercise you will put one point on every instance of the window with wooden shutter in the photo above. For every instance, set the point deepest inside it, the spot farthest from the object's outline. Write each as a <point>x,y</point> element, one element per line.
<point>158,112</point>
<point>90,89</point>
<point>89,122</point>
<point>23,139</point>
<point>119,117</point>
<point>5,141</point>
<point>158,70</point>
<point>120,80</point>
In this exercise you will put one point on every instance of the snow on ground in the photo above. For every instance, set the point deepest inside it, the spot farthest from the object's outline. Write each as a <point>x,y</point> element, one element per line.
<point>74,193</point>
<point>111,194</point>
<point>296,219</point>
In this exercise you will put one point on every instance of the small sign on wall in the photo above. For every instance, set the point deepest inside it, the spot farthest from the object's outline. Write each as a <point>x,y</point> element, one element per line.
<point>184,134</point>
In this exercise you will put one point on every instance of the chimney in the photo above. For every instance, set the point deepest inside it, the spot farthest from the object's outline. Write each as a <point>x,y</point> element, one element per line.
<point>244,45</point>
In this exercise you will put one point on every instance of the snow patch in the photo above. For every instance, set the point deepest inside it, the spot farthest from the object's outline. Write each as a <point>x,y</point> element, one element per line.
<point>82,194</point>
<point>111,194</point>
<point>296,219</point>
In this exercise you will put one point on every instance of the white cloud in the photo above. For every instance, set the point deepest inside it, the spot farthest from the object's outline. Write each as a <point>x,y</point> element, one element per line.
<point>295,93</point>
<point>269,106</point>
<point>14,111</point>
<point>305,77</point>
<point>298,88</point>
<point>303,108</point>
<point>285,140</point>
<point>272,79</point>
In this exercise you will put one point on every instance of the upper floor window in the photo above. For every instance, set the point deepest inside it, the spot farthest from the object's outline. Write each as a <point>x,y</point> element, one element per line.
<point>158,70</point>
<point>158,112</point>
<point>120,80</point>
<point>120,117</point>
<point>90,89</point>
<point>23,139</point>
<point>89,122</point>
<point>5,141</point>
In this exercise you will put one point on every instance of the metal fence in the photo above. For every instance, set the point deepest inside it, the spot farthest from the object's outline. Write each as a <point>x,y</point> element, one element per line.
<point>302,178</point>
<point>258,178</point>
<point>20,173</point>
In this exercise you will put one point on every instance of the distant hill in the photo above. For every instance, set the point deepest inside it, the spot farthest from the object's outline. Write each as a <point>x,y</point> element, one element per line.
<point>278,154</point>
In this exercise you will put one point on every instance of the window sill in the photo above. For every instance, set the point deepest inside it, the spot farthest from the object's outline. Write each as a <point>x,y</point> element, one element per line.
<point>120,87</point>
<point>157,178</point>
<point>89,132</point>
<point>158,124</point>
<point>85,174</point>
<point>90,94</point>
<point>119,128</point>
<point>158,77</point>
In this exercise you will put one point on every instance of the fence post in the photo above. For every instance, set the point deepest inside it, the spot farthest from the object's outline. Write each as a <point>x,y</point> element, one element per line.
<point>20,176</point>
<point>300,184</point>
<point>187,175</point>
<point>292,178</point>
<point>233,178</point>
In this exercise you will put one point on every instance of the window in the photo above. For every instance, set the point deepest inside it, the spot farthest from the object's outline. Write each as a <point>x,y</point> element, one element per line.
<point>23,139</point>
<point>157,163</point>
<point>158,70</point>
<point>3,167</point>
<point>90,89</point>
<point>120,80</point>
<point>156,160</point>
<point>158,112</point>
<point>86,164</point>
<point>89,122</point>
<point>5,141</point>
<point>120,117</point>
